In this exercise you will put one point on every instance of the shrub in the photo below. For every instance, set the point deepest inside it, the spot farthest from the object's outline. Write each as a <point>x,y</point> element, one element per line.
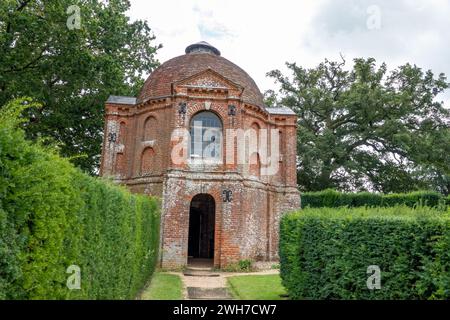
<point>325,253</point>
<point>245,265</point>
<point>53,216</point>
<point>333,199</point>
<point>241,266</point>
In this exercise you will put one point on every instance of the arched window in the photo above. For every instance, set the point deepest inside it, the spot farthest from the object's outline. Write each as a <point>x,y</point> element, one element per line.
<point>120,157</point>
<point>206,136</point>
<point>150,129</point>
<point>253,150</point>
<point>122,132</point>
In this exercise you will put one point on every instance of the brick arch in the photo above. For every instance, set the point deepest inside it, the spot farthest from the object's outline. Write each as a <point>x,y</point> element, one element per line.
<point>253,135</point>
<point>217,108</point>
<point>208,194</point>
<point>258,125</point>
<point>149,128</point>
<point>255,125</point>
<point>215,192</point>
<point>212,193</point>
<point>212,111</point>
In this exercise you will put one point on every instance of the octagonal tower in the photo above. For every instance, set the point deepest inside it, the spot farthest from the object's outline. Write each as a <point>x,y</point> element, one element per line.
<point>200,137</point>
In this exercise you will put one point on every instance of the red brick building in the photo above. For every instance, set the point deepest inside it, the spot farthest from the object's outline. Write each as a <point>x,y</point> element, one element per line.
<point>181,139</point>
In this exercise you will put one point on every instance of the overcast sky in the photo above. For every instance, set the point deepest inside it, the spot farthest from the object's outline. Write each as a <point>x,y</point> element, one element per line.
<point>260,35</point>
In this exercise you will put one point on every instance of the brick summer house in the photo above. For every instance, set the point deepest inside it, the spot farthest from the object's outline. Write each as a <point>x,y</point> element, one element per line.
<point>200,137</point>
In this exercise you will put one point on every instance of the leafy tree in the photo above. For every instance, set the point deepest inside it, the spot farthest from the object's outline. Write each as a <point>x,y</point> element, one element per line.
<point>71,69</point>
<point>367,128</point>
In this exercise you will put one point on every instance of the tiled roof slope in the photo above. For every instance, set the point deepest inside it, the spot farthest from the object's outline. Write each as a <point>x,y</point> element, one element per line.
<point>159,82</point>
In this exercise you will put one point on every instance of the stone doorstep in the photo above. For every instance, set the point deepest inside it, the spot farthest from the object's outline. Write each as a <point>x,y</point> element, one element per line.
<point>199,268</point>
<point>200,273</point>
<point>196,293</point>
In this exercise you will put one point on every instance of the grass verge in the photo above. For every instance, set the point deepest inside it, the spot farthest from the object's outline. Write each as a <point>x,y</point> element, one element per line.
<point>257,287</point>
<point>163,286</point>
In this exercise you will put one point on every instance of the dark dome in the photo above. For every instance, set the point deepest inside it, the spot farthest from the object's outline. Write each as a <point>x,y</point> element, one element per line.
<point>199,57</point>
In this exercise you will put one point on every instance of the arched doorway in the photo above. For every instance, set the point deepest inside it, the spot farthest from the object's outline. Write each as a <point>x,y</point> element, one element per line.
<point>201,229</point>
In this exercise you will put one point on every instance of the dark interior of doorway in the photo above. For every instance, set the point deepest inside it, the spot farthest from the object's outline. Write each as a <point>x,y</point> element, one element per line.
<point>201,227</point>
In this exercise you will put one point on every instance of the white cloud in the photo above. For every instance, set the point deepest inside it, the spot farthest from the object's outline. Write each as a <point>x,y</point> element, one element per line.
<point>262,35</point>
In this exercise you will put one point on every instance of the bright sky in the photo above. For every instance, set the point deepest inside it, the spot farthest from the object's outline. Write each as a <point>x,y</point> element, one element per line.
<point>261,35</point>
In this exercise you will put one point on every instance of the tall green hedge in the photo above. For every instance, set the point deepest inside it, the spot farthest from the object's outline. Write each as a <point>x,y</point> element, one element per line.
<point>325,253</point>
<point>333,199</point>
<point>53,216</point>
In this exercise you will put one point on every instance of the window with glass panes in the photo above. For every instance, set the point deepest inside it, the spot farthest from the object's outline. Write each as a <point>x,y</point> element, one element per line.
<point>206,136</point>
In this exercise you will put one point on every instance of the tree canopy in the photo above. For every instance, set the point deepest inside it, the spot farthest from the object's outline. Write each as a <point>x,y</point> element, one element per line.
<point>69,56</point>
<point>367,128</point>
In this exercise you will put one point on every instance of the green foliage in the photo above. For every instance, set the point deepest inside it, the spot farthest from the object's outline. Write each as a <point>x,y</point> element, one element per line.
<point>72,72</point>
<point>244,265</point>
<point>325,253</point>
<point>333,199</point>
<point>367,128</point>
<point>53,216</point>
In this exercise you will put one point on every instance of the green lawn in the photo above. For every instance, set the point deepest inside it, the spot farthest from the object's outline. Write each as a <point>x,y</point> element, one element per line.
<point>261,287</point>
<point>164,286</point>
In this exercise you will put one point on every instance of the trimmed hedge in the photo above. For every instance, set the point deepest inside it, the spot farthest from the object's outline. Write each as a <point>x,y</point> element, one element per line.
<point>334,199</point>
<point>53,216</point>
<point>325,253</point>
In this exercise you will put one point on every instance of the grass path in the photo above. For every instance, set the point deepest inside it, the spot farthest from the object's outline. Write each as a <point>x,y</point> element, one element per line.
<point>264,285</point>
<point>257,287</point>
<point>163,286</point>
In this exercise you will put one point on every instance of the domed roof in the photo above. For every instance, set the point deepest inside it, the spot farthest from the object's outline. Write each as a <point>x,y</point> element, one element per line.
<point>199,57</point>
